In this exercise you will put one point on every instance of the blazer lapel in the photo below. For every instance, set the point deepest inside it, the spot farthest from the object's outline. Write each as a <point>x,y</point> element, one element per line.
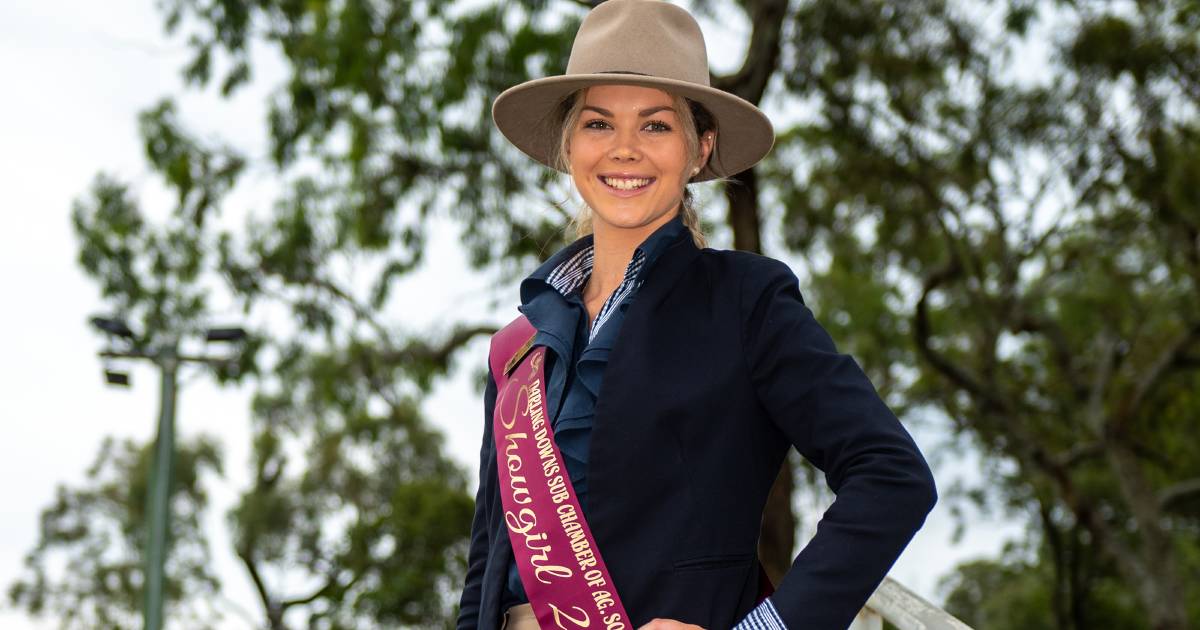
<point>660,282</point>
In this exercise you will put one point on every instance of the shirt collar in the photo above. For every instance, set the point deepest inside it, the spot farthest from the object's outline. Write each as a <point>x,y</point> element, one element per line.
<point>570,267</point>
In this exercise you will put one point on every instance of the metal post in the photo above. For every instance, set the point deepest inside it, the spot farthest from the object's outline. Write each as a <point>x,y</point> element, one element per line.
<point>160,482</point>
<point>158,506</point>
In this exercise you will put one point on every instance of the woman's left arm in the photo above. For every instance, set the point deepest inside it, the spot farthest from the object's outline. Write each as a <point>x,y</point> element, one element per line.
<point>827,407</point>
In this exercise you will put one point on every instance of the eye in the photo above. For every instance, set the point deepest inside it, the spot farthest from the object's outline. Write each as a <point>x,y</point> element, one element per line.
<point>662,127</point>
<point>591,124</point>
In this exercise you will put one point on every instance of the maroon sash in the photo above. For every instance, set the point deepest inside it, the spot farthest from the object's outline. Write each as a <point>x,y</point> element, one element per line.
<point>560,566</point>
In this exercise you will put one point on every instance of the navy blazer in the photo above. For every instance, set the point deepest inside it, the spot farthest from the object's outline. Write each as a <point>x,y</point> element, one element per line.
<point>718,369</point>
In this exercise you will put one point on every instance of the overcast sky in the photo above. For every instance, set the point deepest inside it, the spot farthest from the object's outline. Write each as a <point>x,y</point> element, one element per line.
<point>77,73</point>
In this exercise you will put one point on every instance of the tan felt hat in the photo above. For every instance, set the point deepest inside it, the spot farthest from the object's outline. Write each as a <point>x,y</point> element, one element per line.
<point>636,42</point>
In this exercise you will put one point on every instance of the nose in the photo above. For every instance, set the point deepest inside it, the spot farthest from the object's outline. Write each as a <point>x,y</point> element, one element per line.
<point>626,146</point>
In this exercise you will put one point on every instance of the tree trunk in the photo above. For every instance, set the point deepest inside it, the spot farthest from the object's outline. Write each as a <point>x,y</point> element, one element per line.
<point>1063,569</point>
<point>1157,580</point>
<point>1080,579</point>
<point>742,194</point>
<point>777,536</point>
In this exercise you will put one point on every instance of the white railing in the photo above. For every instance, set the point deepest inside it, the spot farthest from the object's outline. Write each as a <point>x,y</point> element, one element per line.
<point>903,609</point>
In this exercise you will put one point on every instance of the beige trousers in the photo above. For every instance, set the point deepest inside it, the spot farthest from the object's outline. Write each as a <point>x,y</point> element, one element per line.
<point>520,617</point>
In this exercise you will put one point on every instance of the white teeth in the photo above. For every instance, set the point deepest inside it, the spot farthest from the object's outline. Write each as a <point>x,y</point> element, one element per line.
<point>625,184</point>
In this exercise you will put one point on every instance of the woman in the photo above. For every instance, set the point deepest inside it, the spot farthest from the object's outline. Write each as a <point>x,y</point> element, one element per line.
<point>638,411</point>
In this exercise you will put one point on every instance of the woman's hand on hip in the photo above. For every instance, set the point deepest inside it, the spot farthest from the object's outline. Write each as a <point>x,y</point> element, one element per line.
<point>668,624</point>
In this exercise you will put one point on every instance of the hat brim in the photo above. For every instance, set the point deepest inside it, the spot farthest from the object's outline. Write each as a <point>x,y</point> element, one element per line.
<point>527,114</point>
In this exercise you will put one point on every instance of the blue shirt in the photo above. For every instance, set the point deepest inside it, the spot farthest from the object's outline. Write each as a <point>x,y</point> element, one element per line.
<point>552,299</point>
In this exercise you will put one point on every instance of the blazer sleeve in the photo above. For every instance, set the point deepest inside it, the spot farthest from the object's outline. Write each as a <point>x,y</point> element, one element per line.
<point>468,606</point>
<point>827,407</point>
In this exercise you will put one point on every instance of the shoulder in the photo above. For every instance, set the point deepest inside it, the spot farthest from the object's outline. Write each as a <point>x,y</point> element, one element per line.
<point>509,345</point>
<point>752,274</point>
<point>741,262</point>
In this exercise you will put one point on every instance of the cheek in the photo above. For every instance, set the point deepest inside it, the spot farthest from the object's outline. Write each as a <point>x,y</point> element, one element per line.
<point>583,160</point>
<point>582,150</point>
<point>581,181</point>
<point>672,157</point>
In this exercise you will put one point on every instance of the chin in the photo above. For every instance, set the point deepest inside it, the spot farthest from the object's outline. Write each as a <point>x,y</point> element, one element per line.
<point>629,215</point>
<point>625,219</point>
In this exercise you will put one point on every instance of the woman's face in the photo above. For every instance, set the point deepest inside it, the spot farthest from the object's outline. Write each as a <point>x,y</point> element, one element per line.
<point>628,157</point>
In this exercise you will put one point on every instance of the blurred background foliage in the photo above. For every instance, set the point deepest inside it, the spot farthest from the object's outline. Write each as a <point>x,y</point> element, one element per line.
<point>997,203</point>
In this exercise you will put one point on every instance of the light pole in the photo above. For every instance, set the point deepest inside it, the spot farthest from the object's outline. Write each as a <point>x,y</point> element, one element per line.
<point>158,501</point>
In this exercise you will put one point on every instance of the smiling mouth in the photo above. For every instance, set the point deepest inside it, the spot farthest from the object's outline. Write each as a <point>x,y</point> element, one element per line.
<point>627,184</point>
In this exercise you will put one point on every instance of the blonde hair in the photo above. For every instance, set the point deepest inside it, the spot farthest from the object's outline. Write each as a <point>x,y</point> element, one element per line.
<point>695,119</point>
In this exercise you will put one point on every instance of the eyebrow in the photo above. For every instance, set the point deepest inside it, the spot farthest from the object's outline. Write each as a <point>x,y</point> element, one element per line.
<point>644,112</point>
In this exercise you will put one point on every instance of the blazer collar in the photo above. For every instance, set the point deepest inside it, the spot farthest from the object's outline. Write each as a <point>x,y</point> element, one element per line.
<point>537,280</point>
<point>653,246</point>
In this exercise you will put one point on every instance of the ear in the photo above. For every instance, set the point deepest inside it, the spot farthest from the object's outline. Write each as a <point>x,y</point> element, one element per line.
<point>707,142</point>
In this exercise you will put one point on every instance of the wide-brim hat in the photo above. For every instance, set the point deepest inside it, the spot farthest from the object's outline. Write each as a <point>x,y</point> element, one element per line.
<point>636,42</point>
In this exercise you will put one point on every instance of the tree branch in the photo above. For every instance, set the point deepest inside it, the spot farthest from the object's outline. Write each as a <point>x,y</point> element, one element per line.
<point>329,586</point>
<point>1057,337</point>
<point>913,171</point>
<point>1078,453</point>
<point>1061,572</point>
<point>921,334</point>
<point>274,612</point>
<point>1172,495</point>
<point>1082,508</point>
<point>762,56</point>
<point>1100,380</point>
<point>439,355</point>
<point>361,313</point>
<point>1152,376</point>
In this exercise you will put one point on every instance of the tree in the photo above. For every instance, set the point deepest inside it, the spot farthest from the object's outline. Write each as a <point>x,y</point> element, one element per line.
<point>87,567</point>
<point>1044,229</point>
<point>351,499</point>
<point>1023,591</point>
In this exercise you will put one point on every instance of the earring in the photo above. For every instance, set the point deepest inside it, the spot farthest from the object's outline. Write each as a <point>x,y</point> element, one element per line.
<point>695,170</point>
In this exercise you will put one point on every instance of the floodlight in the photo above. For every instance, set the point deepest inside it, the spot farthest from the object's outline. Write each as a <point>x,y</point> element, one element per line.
<point>112,326</point>
<point>225,334</point>
<point>116,378</point>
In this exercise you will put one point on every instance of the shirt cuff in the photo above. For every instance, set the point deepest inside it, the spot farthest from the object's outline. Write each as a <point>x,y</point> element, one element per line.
<point>763,617</point>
